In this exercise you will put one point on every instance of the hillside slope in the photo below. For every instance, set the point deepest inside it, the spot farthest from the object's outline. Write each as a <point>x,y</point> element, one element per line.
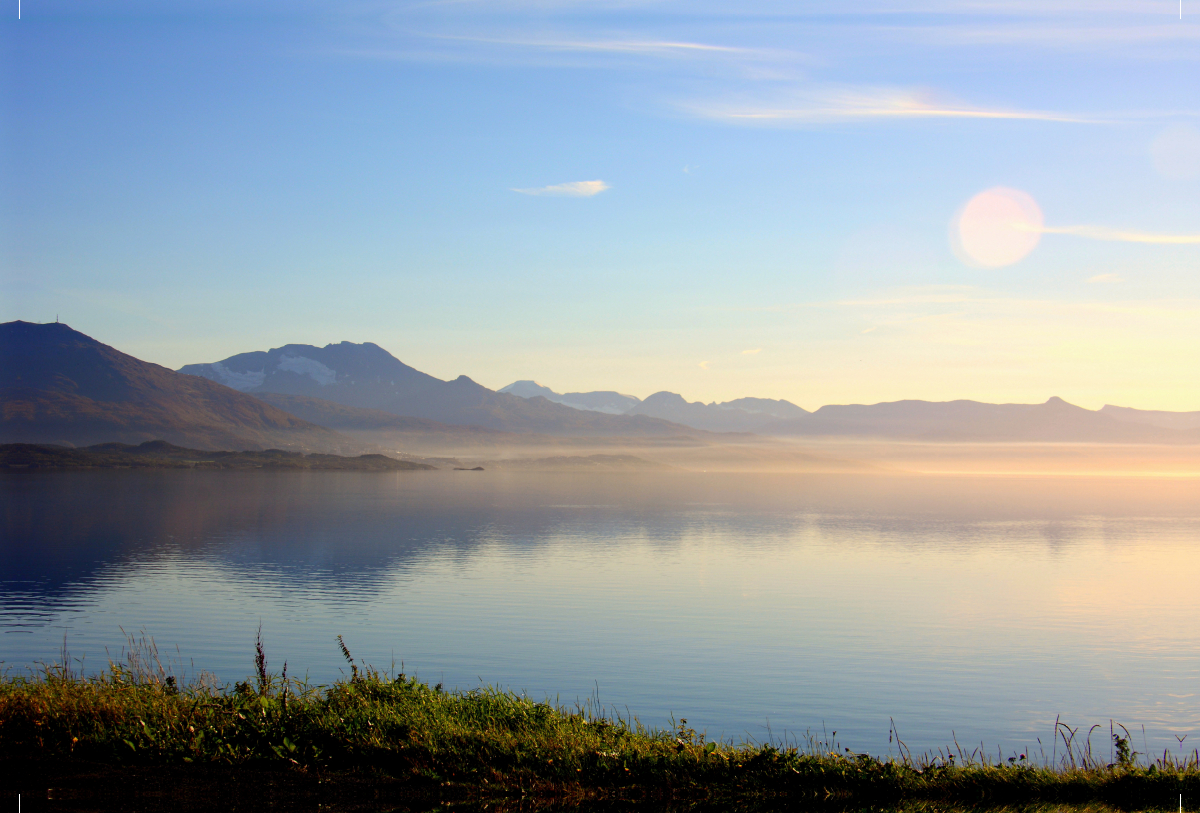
<point>366,376</point>
<point>58,385</point>
<point>462,401</point>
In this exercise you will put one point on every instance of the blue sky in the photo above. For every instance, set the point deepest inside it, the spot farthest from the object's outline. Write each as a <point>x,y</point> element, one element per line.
<point>716,199</point>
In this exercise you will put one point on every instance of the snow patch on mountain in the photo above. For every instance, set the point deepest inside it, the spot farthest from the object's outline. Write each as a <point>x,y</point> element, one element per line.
<point>310,367</point>
<point>223,375</point>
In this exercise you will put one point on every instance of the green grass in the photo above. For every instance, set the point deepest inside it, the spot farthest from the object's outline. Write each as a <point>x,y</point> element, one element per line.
<point>399,730</point>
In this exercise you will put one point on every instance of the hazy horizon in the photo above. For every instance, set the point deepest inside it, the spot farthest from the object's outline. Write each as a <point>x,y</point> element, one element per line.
<point>810,407</point>
<point>605,388</point>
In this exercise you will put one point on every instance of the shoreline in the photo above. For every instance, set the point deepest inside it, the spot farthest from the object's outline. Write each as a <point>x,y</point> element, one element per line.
<point>157,454</point>
<point>394,740</point>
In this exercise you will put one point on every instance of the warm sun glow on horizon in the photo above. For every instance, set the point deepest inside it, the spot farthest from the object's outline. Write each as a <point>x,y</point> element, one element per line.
<point>997,227</point>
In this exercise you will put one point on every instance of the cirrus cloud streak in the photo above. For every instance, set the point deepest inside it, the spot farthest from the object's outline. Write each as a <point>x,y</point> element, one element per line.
<point>620,46</point>
<point>1121,235</point>
<point>574,189</point>
<point>860,104</point>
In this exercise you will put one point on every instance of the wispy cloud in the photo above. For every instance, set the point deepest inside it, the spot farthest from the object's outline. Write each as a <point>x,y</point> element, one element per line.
<point>921,9</point>
<point>1122,236</point>
<point>1063,33</point>
<point>1106,278</point>
<point>704,365</point>
<point>833,105</point>
<point>575,189</point>
<point>753,352</point>
<point>620,46</point>
<point>568,48</point>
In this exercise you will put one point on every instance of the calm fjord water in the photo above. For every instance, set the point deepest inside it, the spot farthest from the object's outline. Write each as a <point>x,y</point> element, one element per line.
<point>751,605</point>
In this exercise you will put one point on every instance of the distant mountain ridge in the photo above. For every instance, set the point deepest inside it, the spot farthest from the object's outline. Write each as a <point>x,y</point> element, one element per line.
<point>1052,421</point>
<point>732,416</point>
<point>60,386</point>
<point>742,415</point>
<point>611,403</point>
<point>1153,417</point>
<point>462,401</point>
<point>366,376</point>
<point>962,420</point>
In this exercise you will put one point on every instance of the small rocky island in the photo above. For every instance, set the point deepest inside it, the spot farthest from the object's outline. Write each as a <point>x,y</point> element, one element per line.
<point>158,454</point>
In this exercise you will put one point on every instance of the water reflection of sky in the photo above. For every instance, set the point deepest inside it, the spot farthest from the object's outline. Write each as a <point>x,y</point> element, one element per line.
<point>960,607</point>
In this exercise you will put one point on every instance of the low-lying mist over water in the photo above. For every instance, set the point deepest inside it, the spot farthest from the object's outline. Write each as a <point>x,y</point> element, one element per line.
<point>753,605</point>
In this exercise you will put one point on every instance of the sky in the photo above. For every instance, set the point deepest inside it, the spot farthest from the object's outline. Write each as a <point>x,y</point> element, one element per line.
<point>818,201</point>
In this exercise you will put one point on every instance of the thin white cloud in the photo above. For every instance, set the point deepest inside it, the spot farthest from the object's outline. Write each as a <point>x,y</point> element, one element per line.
<point>753,352</point>
<point>575,189</point>
<point>612,46</point>
<point>1106,278</point>
<point>644,47</point>
<point>862,104</point>
<point>1057,34</point>
<point>1122,236</point>
<point>923,8</point>
<point>760,79</point>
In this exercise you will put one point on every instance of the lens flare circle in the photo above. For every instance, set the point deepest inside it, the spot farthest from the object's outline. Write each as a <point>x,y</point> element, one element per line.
<point>997,227</point>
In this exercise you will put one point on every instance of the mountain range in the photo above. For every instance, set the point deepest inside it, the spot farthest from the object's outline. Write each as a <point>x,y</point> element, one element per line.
<point>741,415</point>
<point>1052,421</point>
<point>366,376</point>
<point>60,386</point>
<point>608,402</point>
<point>757,415</point>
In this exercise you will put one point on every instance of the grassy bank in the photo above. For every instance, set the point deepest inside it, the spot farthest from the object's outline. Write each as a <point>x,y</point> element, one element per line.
<point>395,731</point>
